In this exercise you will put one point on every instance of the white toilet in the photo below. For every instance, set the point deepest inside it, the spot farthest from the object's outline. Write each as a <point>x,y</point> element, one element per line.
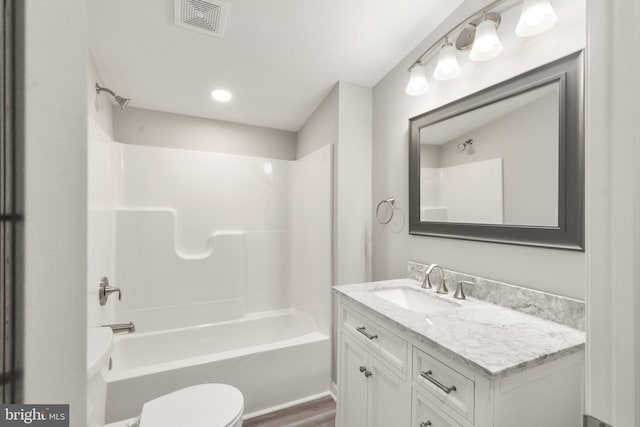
<point>204,405</point>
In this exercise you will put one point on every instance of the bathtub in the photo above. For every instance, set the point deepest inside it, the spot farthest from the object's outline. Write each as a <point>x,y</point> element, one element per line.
<point>275,358</point>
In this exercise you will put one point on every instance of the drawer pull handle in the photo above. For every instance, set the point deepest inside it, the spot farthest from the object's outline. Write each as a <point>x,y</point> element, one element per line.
<point>427,375</point>
<point>365,333</point>
<point>427,424</point>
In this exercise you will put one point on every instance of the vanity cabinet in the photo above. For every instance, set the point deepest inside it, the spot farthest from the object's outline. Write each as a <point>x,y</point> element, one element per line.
<point>389,377</point>
<point>374,394</point>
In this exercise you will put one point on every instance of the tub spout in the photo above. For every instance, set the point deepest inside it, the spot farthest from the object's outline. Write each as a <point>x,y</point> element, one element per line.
<point>121,327</point>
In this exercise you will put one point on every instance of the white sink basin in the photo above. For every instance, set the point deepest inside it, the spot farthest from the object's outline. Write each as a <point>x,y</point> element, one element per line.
<point>415,299</point>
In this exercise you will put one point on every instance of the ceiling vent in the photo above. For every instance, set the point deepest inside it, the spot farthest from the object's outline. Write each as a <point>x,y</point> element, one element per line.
<point>207,17</point>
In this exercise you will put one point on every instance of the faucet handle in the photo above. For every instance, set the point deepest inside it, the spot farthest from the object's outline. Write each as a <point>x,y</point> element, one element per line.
<point>426,283</point>
<point>106,290</point>
<point>459,293</point>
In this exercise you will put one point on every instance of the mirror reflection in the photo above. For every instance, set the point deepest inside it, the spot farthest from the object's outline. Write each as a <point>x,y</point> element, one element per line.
<point>498,164</point>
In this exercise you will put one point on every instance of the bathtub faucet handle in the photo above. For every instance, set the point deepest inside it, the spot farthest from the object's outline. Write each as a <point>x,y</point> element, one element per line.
<point>106,290</point>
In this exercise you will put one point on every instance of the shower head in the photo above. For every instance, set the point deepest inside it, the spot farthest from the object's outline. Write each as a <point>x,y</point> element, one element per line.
<point>122,102</point>
<point>463,145</point>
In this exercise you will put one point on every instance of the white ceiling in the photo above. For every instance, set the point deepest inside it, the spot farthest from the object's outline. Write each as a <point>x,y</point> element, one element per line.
<point>279,58</point>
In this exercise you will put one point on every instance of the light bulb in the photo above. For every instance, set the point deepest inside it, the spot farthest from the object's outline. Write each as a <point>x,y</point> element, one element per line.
<point>486,44</point>
<point>448,67</point>
<point>537,16</point>
<point>418,84</point>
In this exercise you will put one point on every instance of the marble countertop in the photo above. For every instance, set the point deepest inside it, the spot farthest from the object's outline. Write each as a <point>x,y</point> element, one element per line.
<point>496,340</point>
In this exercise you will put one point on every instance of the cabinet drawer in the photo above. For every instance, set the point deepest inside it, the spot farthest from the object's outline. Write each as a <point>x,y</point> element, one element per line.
<point>426,413</point>
<point>377,339</point>
<point>447,385</point>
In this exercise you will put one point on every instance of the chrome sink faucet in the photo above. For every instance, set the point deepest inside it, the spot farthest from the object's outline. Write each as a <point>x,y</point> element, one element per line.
<point>442,287</point>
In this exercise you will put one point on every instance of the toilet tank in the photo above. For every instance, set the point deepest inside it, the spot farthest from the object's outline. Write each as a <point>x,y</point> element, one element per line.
<point>99,345</point>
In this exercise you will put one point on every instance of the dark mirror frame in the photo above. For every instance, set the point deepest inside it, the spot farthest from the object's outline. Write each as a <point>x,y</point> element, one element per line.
<point>12,77</point>
<point>569,234</point>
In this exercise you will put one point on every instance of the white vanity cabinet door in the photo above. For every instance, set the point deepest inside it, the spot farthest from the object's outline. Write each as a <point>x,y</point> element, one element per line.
<point>353,385</point>
<point>426,413</point>
<point>389,399</point>
<point>370,393</point>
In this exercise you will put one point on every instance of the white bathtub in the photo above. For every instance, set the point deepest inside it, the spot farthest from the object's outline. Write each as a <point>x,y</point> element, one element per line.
<point>275,358</point>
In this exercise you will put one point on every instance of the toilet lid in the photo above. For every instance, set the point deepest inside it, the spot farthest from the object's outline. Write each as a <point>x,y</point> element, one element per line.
<point>205,405</point>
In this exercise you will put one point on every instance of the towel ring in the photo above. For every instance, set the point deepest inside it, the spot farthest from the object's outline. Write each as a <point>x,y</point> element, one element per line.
<point>387,202</point>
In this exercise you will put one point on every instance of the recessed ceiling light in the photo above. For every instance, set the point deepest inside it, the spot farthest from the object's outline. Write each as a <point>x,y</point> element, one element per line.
<point>221,95</point>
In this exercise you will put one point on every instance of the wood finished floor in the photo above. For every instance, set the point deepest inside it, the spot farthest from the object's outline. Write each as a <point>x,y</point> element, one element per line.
<point>317,413</point>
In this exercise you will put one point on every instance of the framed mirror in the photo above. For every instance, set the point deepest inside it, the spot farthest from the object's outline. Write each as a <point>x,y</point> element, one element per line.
<point>505,164</point>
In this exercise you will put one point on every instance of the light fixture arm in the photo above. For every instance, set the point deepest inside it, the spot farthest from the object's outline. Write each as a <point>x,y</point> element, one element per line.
<point>460,26</point>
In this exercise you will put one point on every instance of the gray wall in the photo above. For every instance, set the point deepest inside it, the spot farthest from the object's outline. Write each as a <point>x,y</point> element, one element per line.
<point>352,163</point>
<point>344,119</point>
<point>147,127</point>
<point>55,229</point>
<point>100,106</point>
<point>321,128</point>
<point>430,156</point>
<point>560,272</point>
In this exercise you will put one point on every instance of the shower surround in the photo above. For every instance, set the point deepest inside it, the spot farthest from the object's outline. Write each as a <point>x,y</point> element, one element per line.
<point>198,238</point>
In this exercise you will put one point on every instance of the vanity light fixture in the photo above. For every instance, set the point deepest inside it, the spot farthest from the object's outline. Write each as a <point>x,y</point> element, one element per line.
<point>418,84</point>
<point>479,33</point>
<point>537,16</point>
<point>448,67</point>
<point>486,44</point>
